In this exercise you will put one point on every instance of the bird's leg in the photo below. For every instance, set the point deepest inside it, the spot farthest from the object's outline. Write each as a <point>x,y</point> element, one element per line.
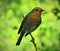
<point>32,38</point>
<point>33,41</point>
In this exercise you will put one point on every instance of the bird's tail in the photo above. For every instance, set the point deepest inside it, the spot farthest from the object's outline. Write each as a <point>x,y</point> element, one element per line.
<point>20,38</point>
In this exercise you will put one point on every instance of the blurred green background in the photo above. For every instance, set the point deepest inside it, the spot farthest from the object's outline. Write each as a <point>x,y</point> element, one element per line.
<point>46,36</point>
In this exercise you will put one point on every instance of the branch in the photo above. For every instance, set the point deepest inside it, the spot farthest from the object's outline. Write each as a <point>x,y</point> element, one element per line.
<point>33,41</point>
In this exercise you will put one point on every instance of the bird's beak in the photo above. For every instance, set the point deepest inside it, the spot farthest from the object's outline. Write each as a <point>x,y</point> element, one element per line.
<point>42,10</point>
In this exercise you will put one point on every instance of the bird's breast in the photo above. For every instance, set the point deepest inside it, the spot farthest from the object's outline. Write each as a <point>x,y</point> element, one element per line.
<point>35,18</point>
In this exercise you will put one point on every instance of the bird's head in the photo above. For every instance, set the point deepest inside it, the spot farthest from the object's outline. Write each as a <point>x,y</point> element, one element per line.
<point>37,9</point>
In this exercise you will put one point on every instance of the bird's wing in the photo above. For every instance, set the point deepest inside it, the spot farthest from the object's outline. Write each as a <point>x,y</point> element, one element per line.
<point>24,20</point>
<point>20,27</point>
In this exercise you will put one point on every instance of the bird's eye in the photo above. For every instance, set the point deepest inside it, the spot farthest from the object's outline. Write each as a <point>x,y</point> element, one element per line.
<point>36,9</point>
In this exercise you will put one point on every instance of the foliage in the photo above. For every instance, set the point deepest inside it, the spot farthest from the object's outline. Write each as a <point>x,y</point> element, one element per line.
<point>47,36</point>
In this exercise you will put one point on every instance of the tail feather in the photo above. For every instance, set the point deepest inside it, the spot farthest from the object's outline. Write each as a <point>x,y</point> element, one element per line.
<point>19,30</point>
<point>20,38</point>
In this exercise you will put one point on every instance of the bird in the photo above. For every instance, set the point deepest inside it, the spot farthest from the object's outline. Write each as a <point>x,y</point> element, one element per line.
<point>30,23</point>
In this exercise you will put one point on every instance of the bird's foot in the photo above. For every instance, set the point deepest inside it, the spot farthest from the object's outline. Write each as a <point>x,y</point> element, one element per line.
<point>32,40</point>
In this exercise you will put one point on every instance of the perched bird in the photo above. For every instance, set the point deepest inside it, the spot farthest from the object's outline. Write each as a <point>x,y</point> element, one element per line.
<point>30,22</point>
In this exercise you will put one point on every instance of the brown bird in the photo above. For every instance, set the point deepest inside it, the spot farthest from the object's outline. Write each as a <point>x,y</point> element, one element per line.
<point>30,22</point>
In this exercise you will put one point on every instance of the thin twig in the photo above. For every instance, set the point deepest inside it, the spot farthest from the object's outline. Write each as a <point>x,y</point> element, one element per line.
<point>33,41</point>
